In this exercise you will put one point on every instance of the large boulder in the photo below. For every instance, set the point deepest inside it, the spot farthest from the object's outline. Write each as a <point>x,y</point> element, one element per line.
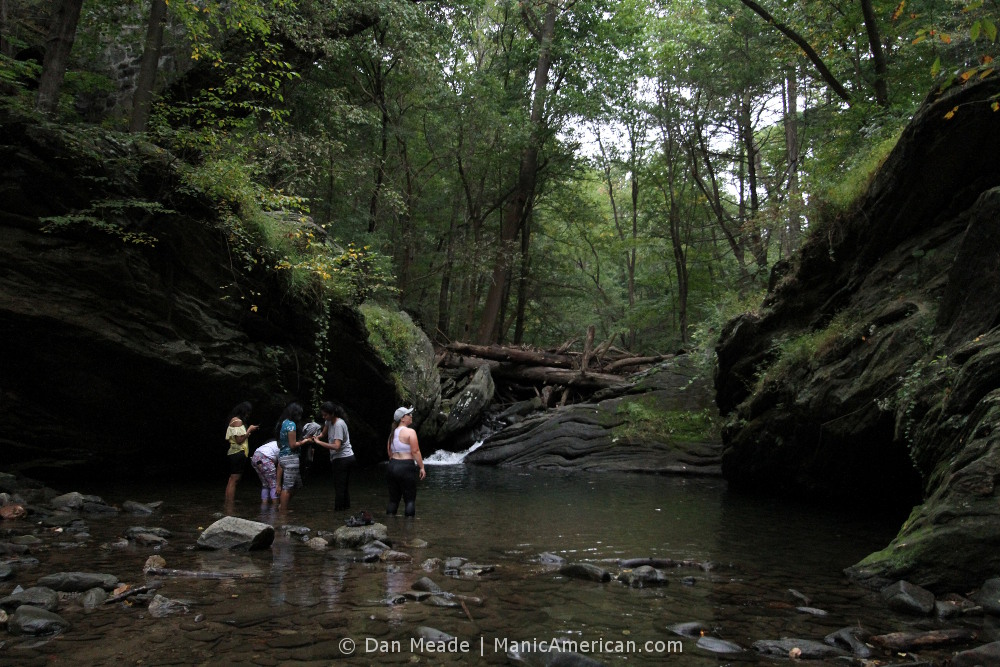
<point>868,375</point>
<point>236,534</point>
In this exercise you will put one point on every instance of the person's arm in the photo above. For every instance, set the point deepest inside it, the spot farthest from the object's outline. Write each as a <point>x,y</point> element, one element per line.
<point>415,451</point>
<point>335,445</point>
<point>240,439</point>
<point>322,434</point>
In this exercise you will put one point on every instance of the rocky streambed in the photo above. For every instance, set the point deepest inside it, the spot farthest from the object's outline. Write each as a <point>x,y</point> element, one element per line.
<point>85,581</point>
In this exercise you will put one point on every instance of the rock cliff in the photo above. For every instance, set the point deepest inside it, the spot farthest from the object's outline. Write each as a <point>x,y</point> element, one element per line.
<point>124,356</point>
<point>871,372</point>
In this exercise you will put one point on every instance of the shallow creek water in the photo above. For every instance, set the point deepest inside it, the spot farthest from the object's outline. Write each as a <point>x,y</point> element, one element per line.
<point>305,605</point>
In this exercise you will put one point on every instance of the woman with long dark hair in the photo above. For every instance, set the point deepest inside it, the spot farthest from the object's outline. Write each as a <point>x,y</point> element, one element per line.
<point>237,435</point>
<point>337,439</point>
<point>285,433</point>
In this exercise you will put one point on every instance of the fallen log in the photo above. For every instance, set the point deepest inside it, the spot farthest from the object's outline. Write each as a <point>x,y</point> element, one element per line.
<point>635,361</point>
<point>513,354</point>
<point>545,375</point>
<point>198,574</point>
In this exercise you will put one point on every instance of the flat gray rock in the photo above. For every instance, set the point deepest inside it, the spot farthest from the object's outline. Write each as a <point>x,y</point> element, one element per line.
<point>77,582</point>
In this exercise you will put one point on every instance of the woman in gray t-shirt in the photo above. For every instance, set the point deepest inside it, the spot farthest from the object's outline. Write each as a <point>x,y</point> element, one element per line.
<point>337,439</point>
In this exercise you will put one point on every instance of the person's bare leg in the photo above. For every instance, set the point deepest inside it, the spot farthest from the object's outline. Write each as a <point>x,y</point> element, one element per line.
<point>283,502</point>
<point>231,488</point>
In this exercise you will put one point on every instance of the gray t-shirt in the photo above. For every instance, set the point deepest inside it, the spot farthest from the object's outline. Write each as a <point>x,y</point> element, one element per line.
<point>338,431</point>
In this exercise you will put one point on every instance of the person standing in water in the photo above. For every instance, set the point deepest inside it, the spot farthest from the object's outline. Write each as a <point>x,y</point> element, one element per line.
<point>406,465</point>
<point>337,439</point>
<point>237,435</point>
<point>288,458</point>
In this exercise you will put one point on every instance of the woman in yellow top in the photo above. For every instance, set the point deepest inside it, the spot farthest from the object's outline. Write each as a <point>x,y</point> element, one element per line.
<point>238,435</point>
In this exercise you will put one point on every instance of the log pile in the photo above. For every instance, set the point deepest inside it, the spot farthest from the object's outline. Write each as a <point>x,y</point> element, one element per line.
<point>557,376</point>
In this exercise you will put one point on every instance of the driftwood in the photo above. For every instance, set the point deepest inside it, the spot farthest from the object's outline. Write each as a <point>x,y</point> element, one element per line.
<point>909,641</point>
<point>198,574</point>
<point>127,594</point>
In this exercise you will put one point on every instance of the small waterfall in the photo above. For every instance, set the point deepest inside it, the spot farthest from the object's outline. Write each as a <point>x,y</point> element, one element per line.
<point>443,458</point>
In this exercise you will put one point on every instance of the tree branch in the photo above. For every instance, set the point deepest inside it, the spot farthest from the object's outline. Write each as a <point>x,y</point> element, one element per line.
<point>810,52</point>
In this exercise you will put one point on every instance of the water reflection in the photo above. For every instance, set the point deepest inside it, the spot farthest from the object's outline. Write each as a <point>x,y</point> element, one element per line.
<point>744,557</point>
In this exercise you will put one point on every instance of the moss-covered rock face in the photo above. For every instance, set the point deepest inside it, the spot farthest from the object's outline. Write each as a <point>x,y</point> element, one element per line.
<point>123,356</point>
<point>869,374</point>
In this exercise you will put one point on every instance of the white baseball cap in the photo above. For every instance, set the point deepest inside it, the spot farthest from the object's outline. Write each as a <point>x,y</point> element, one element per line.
<point>400,413</point>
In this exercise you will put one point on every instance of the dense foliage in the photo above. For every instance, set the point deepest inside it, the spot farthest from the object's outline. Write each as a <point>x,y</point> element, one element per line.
<point>507,170</point>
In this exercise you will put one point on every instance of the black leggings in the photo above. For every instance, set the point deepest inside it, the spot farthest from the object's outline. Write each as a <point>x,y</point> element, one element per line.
<point>402,477</point>
<point>341,477</point>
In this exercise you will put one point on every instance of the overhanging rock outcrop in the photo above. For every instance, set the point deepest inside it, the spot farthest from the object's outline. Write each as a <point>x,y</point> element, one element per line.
<point>871,373</point>
<point>122,357</point>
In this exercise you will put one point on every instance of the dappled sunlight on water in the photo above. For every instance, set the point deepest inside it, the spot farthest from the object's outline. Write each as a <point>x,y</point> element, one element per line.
<point>302,604</point>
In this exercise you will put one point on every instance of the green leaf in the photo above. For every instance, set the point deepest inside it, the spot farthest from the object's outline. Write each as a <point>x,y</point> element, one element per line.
<point>991,29</point>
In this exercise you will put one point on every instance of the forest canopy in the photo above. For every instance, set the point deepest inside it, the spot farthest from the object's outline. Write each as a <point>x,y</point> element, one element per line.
<point>508,171</point>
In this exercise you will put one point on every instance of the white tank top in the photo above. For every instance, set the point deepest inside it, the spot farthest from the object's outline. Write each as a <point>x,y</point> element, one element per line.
<point>397,446</point>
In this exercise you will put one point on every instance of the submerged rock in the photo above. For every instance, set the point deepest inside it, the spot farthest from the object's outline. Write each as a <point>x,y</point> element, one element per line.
<point>161,606</point>
<point>803,648</point>
<point>77,582</point>
<point>985,655</point>
<point>909,598</point>
<point>132,507</point>
<point>848,637</point>
<point>93,598</point>
<point>28,620</point>
<point>355,537</point>
<point>718,645</point>
<point>689,629</point>
<point>68,501</point>
<point>643,576</point>
<point>587,571</point>
<point>36,596</point>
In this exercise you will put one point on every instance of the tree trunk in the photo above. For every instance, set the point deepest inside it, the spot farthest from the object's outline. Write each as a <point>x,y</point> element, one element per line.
<point>749,220</point>
<point>62,32</point>
<point>680,266</point>
<point>522,282</point>
<point>792,158</point>
<point>519,205</point>
<point>5,46</point>
<point>142,99</point>
<point>878,55</point>
<point>383,155</point>
<point>444,293</point>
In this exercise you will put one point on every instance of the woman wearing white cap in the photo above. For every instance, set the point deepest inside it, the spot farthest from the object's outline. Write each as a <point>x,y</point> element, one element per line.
<point>406,465</point>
